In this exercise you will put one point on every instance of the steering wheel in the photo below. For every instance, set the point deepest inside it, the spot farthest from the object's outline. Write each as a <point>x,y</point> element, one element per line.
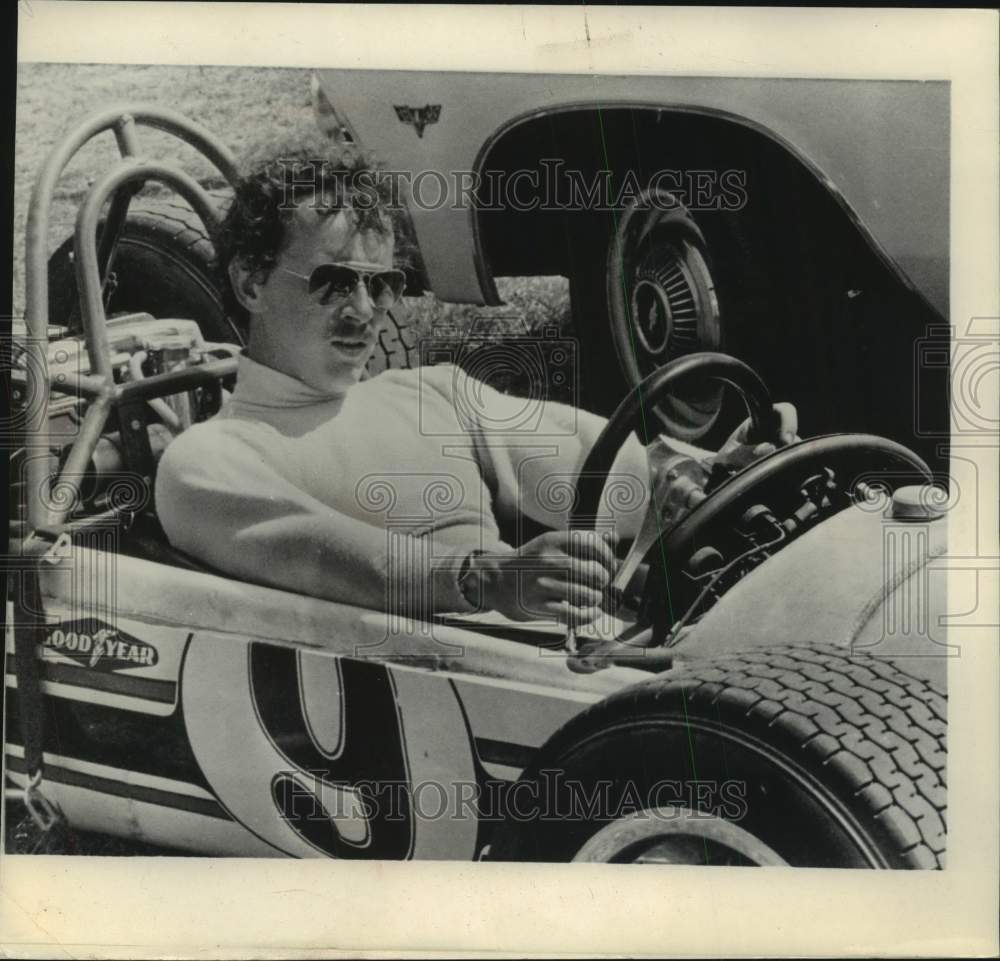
<point>785,473</point>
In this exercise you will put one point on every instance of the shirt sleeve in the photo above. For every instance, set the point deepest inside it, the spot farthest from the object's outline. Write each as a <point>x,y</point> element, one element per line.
<point>220,501</point>
<point>532,450</point>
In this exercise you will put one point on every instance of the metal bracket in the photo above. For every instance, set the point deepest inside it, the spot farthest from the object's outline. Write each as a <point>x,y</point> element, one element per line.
<point>133,421</point>
<point>44,812</point>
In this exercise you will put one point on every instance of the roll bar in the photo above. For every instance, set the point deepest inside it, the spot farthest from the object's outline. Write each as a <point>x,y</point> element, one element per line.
<point>119,184</point>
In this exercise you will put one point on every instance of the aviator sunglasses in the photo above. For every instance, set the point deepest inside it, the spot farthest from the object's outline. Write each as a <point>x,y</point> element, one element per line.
<point>385,287</point>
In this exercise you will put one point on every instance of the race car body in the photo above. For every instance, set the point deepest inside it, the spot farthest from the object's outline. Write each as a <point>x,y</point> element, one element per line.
<point>199,713</point>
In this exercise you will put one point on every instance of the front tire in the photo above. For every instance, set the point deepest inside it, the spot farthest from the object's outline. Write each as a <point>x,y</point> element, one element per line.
<point>821,758</point>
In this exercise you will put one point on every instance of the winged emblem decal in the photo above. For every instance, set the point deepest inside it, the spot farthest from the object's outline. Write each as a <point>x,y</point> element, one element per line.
<point>419,117</point>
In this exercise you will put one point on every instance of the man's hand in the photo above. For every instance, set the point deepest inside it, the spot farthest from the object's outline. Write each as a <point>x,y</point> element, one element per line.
<point>560,575</point>
<point>736,453</point>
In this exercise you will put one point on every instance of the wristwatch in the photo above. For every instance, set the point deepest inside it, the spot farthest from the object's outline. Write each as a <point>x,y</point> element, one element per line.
<point>464,580</point>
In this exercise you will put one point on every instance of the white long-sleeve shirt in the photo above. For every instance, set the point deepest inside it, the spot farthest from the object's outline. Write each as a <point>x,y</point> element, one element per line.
<point>373,497</point>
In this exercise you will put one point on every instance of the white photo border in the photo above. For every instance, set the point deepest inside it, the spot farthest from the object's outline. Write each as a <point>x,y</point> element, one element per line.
<point>138,907</point>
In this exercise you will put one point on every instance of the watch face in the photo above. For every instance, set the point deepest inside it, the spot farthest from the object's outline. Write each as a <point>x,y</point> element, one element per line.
<point>463,578</point>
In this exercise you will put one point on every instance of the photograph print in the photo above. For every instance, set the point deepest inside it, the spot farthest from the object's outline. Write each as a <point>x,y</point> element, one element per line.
<point>479,466</point>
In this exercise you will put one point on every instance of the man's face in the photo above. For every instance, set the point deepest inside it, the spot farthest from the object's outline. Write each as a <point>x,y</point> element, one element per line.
<point>324,345</point>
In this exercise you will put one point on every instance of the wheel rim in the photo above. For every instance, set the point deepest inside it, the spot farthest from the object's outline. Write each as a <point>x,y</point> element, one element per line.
<point>663,305</point>
<point>676,835</point>
<point>751,760</point>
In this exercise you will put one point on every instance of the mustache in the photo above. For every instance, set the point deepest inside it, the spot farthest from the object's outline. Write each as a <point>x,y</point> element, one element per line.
<point>352,333</point>
<point>352,328</point>
<point>344,325</point>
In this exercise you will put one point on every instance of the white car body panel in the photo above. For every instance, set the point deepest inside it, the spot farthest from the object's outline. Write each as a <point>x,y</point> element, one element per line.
<point>883,147</point>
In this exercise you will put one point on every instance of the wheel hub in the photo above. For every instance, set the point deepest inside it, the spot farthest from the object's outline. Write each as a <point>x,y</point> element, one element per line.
<point>676,835</point>
<point>667,306</point>
<point>653,321</point>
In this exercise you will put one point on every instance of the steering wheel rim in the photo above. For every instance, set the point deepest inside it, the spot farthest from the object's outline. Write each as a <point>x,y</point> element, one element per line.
<point>797,457</point>
<point>630,414</point>
<point>852,457</point>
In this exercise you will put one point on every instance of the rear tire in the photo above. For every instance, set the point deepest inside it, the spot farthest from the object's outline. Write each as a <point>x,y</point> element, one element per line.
<point>825,759</point>
<point>164,265</point>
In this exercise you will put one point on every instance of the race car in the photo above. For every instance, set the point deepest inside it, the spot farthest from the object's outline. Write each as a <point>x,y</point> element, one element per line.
<point>767,686</point>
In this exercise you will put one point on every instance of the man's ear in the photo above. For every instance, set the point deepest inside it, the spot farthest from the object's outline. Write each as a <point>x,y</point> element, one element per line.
<point>245,284</point>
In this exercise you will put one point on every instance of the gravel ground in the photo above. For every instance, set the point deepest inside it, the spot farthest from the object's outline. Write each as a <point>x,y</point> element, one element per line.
<point>247,108</point>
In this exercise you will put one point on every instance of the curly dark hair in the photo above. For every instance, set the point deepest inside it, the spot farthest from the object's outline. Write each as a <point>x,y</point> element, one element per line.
<point>255,224</point>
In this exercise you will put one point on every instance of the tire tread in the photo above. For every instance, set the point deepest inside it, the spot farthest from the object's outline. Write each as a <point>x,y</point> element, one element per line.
<point>870,732</point>
<point>879,729</point>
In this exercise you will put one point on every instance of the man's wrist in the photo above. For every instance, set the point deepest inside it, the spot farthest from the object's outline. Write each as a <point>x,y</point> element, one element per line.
<point>478,577</point>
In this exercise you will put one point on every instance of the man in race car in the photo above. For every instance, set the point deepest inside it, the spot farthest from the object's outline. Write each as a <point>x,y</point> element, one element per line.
<point>316,480</point>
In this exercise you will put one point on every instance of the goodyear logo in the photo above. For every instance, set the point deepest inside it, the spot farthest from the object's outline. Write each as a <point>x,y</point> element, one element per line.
<point>99,645</point>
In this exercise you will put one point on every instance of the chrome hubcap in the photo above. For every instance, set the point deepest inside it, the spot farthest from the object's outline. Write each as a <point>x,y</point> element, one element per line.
<point>667,307</point>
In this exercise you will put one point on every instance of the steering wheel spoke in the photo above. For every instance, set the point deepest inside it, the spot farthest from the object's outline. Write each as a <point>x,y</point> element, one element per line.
<point>677,487</point>
<point>649,533</point>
